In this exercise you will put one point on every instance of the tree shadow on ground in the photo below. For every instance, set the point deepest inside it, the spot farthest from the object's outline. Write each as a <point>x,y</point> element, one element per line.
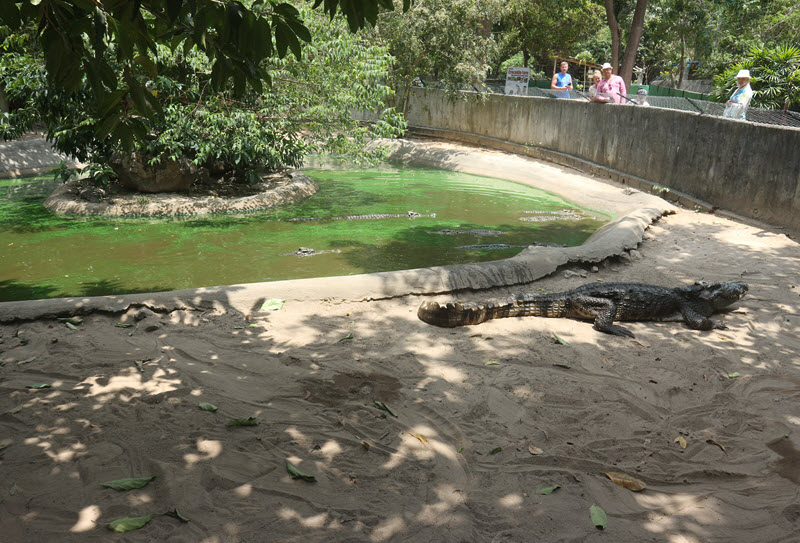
<point>449,458</point>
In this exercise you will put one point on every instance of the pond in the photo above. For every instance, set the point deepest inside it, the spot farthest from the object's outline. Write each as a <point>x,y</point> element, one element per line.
<point>43,255</point>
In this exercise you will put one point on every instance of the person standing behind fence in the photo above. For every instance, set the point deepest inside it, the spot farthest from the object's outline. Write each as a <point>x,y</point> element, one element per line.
<point>597,77</point>
<point>612,88</point>
<point>736,106</point>
<point>562,81</point>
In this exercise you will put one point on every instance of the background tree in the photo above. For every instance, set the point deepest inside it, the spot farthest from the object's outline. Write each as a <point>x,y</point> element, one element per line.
<point>544,30</point>
<point>448,41</point>
<point>110,45</point>
<point>625,69</point>
<point>307,108</point>
<point>775,77</point>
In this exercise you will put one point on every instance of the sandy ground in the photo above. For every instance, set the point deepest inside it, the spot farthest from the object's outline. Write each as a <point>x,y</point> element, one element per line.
<point>455,464</point>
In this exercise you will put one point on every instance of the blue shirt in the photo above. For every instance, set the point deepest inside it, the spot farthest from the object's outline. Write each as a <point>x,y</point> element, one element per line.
<point>562,80</point>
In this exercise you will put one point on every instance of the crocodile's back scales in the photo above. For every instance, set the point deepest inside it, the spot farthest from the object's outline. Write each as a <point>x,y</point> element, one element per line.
<point>603,302</point>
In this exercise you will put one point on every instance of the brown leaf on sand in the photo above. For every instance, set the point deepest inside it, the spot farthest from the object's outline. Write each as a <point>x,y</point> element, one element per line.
<point>534,450</point>
<point>680,441</point>
<point>626,481</point>
<point>712,442</point>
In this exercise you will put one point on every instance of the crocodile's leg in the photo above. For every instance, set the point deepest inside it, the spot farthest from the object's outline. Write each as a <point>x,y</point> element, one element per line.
<point>603,310</point>
<point>696,321</point>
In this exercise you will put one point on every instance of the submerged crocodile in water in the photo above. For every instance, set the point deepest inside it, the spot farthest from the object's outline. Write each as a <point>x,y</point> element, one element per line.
<point>602,302</point>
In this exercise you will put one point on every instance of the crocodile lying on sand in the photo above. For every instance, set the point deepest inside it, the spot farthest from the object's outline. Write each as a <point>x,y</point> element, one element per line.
<point>602,302</point>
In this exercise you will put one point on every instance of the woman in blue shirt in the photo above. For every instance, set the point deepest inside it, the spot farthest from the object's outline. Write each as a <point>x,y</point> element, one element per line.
<point>562,81</point>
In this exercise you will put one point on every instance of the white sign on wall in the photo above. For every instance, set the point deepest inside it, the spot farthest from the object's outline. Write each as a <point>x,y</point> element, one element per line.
<point>517,81</point>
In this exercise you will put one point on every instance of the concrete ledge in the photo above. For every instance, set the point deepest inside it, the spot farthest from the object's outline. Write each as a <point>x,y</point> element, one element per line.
<point>634,210</point>
<point>30,157</point>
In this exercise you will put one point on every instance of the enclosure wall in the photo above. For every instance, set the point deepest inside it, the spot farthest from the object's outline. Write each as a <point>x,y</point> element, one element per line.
<point>743,167</point>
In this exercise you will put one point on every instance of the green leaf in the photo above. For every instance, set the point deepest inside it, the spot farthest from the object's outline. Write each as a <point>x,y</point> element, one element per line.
<point>38,385</point>
<point>382,406</point>
<point>129,484</point>
<point>207,406</point>
<point>177,514</point>
<point>9,15</point>
<point>123,325</point>
<point>297,474</point>
<point>273,304</point>
<point>249,421</point>
<point>71,326</point>
<point>71,320</point>
<point>734,375</point>
<point>346,338</point>
<point>128,524</point>
<point>544,490</point>
<point>496,450</point>
<point>599,517</point>
<point>559,340</point>
<point>492,363</point>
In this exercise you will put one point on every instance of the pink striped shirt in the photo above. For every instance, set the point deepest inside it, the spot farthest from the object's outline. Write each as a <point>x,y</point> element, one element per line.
<point>613,88</point>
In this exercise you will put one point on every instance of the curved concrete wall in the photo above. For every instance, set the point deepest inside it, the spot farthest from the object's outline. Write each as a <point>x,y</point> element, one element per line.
<point>747,168</point>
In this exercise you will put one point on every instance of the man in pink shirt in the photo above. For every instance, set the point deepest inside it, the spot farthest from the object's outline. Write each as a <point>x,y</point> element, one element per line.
<point>611,88</point>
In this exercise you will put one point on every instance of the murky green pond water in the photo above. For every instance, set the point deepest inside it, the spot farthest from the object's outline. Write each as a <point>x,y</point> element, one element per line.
<point>43,255</point>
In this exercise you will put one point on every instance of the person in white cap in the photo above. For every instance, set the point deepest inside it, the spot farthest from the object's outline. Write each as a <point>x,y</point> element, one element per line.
<point>612,88</point>
<point>736,106</point>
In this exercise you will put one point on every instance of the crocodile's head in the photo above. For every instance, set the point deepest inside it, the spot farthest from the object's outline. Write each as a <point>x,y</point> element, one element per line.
<point>722,294</point>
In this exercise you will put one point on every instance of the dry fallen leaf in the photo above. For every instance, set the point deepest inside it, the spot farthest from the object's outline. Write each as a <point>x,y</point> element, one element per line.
<point>534,450</point>
<point>626,481</point>
<point>366,445</point>
<point>712,442</point>
<point>679,440</point>
<point>422,439</point>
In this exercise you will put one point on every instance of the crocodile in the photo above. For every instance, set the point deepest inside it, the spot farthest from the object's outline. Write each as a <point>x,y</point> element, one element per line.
<point>602,302</point>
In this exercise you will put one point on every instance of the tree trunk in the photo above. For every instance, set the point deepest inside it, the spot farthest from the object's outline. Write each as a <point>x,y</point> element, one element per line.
<point>613,25</point>
<point>682,65</point>
<point>525,58</point>
<point>637,27</point>
<point>3,101</point>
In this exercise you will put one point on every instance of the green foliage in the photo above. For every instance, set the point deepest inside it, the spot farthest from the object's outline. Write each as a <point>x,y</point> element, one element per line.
<point>775,77</point>
<point>20,76</point>
<point>546,29</point>
<point>307,108</point>
<point>104,49</point>
<point>444,40</point>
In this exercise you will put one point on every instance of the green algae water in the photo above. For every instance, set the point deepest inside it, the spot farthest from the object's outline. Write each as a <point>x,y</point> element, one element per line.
<point>43,255</point>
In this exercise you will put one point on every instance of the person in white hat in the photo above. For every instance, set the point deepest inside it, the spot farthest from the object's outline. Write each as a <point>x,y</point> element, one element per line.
<point>612,88</point>
<point>736,106</point>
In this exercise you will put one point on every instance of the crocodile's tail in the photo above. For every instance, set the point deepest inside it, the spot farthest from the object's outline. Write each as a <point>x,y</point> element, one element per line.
<point>455,314</point>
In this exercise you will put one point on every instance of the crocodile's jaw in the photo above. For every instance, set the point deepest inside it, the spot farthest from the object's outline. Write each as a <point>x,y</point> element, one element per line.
<point>722,295</point>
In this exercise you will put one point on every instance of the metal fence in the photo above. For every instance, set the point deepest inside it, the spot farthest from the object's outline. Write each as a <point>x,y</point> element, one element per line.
<point>685,103</point>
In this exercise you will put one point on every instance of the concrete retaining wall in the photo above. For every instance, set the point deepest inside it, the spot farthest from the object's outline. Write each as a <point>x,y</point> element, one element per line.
<point>747,168</point>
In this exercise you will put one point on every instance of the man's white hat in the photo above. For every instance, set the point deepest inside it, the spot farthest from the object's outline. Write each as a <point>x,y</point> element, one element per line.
<point>743,73</point>
<point>607,65</point>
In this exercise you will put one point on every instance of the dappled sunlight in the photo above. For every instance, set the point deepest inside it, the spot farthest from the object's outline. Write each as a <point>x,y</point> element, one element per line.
<point>477,419</point>
<point>440,512</point>
<point>87,519</point>
<point>511,501</point>
<point>65,454</point>
<point>420,443</point>
<point>130,385</point>
<point>208,449</point>
<point>388,528</point>
<point>314,521</point>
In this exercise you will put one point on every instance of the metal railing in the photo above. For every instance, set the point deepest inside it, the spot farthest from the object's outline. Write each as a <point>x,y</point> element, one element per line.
<point>703,107</point>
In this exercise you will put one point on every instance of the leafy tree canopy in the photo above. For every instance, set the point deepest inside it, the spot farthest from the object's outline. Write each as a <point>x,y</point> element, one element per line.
<point>775,77</point>
<point>103,43</point>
